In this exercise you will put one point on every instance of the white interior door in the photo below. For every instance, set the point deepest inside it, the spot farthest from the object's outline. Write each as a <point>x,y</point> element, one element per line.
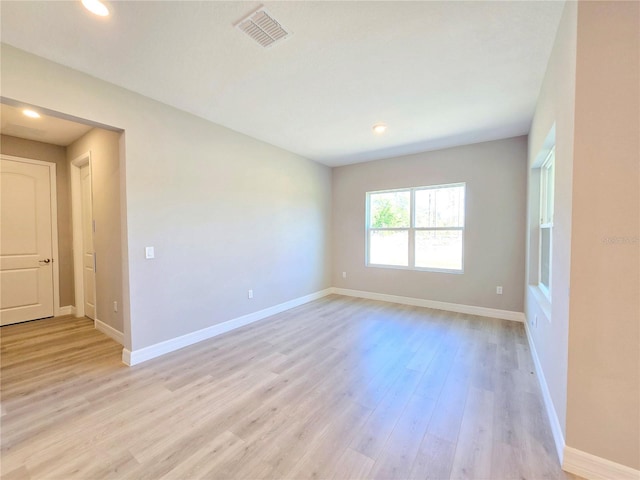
<point>26,260</point>
<point>88,253</point>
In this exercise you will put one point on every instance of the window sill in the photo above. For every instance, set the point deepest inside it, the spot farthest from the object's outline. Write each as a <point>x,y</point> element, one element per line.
<point>415,269</point>
<point>543,302</point>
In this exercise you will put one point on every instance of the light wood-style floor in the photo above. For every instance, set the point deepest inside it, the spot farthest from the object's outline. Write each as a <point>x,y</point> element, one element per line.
<point>339,388</point>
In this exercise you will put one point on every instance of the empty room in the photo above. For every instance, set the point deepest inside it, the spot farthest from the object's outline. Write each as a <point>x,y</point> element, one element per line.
<point>320,239</point>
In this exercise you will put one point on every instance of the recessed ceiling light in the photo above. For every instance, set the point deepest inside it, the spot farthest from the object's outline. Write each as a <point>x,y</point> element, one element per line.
<point>96,7</point>
<point>379,128</point>
<point>31,113</point>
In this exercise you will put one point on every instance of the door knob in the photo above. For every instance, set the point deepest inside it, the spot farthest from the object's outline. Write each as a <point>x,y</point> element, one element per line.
<point>46,261</point>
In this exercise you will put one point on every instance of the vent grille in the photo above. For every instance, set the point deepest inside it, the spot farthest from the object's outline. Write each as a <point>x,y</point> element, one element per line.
<point>262,28</point>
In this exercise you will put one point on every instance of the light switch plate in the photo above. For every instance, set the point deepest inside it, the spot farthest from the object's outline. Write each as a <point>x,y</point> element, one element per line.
<point>149,252</point>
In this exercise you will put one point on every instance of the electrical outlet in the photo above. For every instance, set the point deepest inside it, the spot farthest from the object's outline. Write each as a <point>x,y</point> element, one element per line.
<point>250,294</point>
<point>115,306</point>
<point>499,290</point>
<point>344,274</point>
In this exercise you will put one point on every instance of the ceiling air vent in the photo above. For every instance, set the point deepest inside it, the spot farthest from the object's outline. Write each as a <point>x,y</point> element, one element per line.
<point>261,27</point>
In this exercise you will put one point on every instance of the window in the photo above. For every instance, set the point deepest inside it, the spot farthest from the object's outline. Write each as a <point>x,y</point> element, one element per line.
<point>418,228</point>
<point>546,221</point>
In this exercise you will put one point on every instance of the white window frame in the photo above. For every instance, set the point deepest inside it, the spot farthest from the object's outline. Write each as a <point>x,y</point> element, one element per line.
<point>547,193</point>
<point>412,229</point>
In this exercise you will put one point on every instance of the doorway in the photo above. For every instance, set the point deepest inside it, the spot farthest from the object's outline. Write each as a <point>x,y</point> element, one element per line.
<point>28,244</point>
<point>90,267</point>
<point>83,241</point>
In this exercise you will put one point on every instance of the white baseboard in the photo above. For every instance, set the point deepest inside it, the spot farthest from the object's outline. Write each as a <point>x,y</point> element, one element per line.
<point>556,428</point>
<point>589,466</point>
<point>66,310</point>
<point>147,353</point>
<point>419,302</point>
<point>109,330</point>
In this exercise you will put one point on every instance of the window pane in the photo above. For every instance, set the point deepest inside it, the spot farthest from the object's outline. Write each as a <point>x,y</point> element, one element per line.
<point>439,249</point>
<point>547,188</point>
<point>545,256</point>
<point>549,193</point>
<point>440,207</point>
<point>389,247</point>
<point>389,210</point>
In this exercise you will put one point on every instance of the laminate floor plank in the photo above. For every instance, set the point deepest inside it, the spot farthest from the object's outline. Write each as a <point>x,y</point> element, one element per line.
<point>474,447</point>
<point>396,459</point>
<point>353,465</point>
<point>434,459</point>
<point>319,458</point>
<point>339,388</point>
<point>373,436</point>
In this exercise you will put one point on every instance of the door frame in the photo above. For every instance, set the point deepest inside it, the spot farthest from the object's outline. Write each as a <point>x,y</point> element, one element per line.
<point>76,215</point>
<point>54,224</point>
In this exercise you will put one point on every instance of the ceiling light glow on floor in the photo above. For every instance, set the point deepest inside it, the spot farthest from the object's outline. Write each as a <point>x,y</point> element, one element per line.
<point>96,7</point>
<point>31,113</point>
<point>379,128</point>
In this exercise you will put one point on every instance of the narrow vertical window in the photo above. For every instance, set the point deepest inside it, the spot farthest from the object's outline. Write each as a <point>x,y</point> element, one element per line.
<point>546,222</point>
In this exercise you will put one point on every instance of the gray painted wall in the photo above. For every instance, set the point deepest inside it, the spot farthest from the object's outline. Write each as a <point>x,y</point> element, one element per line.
<point>225,212</point>
<point>495,174</point>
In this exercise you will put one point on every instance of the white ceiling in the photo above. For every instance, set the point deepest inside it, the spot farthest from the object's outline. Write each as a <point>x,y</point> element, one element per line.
<point>44,129</point>
<point>438,73</point>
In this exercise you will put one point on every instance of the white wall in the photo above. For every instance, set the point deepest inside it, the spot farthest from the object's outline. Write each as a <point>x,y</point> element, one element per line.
<point>224,212</point>
<point>495,176</point>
